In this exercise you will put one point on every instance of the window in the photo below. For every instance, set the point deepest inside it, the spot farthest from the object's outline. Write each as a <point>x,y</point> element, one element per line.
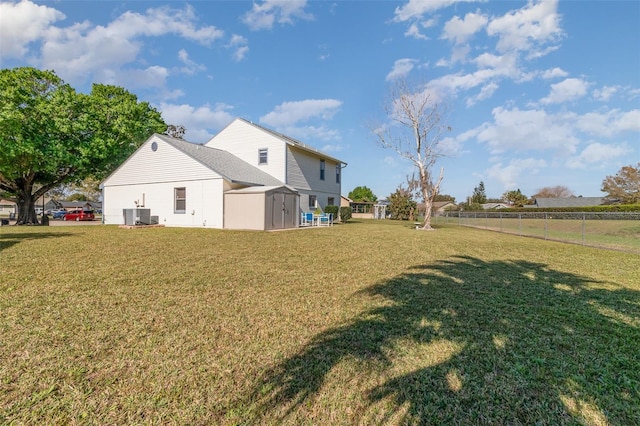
<point>312,201</point>
<point>331,201</point>
<point>262,156</point>
<point>321,169</point>
<point>337,173</point>
<point>180,200</point>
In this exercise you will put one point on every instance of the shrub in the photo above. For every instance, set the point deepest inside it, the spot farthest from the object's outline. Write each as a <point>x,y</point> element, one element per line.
<point>333,210</point>
<point>345,214</point>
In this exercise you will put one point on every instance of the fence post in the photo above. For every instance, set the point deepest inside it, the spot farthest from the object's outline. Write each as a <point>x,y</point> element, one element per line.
<point>519,223</point>
<point>545,226</point>
<point>500,221</point>
<point>584,239</point>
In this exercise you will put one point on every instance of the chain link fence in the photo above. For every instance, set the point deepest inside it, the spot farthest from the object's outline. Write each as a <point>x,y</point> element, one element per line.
<point>614,230</point>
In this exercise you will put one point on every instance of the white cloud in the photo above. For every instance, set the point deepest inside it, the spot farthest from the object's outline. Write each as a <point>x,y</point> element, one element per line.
<point>509,174</point>
<point>401,68</point>
<point>414,9</point>
<point>22,23</point>
<point>597,153</point>
<point>492,67</point>
<point>528,29</point>
<point>460,30</point>
<point>527,130</point>
<point>263,16</point>
<point>290,113</point>
<point>569,89</point>
<point>485,93</point>
<point>190,67</point>
<point>201,122</point>
<point>607,123</point>
<point>414,31</point>
<point>239,45</point>
<point>82,51</point>
<point>606,93</point>
<point>554,73</point>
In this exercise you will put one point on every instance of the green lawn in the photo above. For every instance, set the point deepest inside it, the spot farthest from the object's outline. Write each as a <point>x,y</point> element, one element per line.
<point>614,234</point>
<point>364,323</point>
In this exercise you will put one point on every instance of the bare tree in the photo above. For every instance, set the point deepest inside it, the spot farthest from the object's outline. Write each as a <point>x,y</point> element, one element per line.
<point>415,132</point>
<point>558,191</point>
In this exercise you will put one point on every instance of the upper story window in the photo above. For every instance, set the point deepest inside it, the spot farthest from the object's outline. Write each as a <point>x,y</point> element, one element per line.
<point>262,156</point>
<point>321,169</point>
<point>180,200</point>
<point>337,173</point>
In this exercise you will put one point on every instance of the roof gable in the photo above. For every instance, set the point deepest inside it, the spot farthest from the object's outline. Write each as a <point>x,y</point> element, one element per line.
<point>227,165</point>
<point>284,138</point>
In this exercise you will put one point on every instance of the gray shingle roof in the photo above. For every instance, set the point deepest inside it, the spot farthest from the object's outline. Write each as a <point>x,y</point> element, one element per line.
<point>222,162</point>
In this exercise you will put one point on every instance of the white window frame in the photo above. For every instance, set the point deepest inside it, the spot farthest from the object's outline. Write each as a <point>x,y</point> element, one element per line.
<point>263,156</point>
<point>177,199</point>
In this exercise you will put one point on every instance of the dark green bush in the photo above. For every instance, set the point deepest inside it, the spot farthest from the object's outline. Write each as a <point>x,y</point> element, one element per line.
<point>345,214</point>
<point>333,210</point>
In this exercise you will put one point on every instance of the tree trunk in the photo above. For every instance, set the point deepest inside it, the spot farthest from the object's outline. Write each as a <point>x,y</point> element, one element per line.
<point>27,209</point>
<point>429,192</point>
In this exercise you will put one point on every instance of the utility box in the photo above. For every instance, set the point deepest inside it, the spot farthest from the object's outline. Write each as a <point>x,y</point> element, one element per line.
<point>137,216</point>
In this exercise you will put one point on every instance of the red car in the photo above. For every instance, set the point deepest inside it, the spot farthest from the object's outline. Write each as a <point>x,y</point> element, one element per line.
<point>78,215</point>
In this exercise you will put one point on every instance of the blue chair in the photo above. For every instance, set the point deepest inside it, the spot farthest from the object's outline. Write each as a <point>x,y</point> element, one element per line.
<point>307,219</point>
<point>325,219</point>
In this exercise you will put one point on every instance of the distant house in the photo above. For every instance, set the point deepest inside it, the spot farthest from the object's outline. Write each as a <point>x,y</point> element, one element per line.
<point>566,202</point>
<point>440,207</point>
<point>7,208</point>
<point>245,177</point>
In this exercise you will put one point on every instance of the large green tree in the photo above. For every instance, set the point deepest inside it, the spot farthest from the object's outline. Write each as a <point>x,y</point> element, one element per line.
<point>624,186</point>
<point>50,134</point>
<point>362,194</point>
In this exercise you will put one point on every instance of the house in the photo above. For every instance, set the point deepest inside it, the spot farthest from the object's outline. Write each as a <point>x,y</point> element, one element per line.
<point>566,202</point>
<point>246,177</point>
<point>8,208</point>
<point>440,207</point>
<point>316,176</point>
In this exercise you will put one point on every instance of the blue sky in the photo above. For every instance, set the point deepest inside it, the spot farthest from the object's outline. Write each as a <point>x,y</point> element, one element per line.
<point>539,93</point>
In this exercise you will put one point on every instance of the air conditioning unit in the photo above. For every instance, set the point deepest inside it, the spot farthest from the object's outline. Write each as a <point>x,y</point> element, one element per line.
<point>137,216</point>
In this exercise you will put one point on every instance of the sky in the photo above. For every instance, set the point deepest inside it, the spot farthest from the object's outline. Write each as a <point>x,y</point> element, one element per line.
<point>538,93</point>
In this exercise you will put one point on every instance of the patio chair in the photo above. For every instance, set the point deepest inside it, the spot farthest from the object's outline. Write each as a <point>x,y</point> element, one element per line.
<point>325,219</point>
<point>308,218</point>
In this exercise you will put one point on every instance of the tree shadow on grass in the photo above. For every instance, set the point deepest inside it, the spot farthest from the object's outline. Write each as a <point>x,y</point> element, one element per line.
<point>10,239</point>
<point>533,345</point>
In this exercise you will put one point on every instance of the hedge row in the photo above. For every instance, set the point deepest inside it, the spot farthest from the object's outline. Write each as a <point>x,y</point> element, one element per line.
<point>616,208</point>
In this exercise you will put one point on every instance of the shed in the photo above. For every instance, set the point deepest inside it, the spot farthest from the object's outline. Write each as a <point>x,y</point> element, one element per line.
<point>262,208</point>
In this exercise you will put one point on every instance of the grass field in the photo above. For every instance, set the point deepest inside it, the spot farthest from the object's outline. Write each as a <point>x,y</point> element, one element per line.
<point>613,234</point>
<point>364,323</point>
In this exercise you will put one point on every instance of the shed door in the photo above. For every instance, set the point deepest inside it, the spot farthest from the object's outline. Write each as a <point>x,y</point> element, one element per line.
<point>282,214</point>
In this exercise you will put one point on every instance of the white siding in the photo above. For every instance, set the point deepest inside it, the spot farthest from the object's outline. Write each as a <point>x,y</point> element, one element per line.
<point>244,140</point>
<point>150,177</point>
<point>166,164</point>
<point>204,202</point>
<point>303,173</point>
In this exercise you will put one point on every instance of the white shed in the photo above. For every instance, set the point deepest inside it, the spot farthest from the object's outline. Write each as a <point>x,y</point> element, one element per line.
<point>262,208</point>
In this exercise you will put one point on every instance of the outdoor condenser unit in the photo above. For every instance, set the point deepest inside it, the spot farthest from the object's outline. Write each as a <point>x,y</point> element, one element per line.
<point>137,216</point>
